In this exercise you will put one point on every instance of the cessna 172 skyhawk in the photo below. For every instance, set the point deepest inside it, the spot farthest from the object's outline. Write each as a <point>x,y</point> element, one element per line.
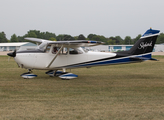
<point>62,55</point>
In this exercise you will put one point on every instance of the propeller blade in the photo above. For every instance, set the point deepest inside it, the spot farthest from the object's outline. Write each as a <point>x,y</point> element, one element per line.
<point>13,54</point>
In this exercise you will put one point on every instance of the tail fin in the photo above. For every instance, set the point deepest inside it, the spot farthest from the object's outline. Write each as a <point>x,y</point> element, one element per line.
<point>146,43</point>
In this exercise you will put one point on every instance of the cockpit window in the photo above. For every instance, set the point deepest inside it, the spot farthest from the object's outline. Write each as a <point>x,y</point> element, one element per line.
<point>55,50</point>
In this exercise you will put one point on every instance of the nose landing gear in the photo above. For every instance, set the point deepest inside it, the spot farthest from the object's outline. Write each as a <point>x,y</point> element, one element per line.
<point>28,75</point>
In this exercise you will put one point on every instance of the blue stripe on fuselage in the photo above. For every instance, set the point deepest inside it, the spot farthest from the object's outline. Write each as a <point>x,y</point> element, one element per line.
<point>112,61</point>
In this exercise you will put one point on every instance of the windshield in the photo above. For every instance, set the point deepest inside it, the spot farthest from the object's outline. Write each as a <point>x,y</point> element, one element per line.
<point>48,49</point>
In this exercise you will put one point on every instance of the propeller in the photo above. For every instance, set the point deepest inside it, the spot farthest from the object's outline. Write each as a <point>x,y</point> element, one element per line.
<point>12,54</point>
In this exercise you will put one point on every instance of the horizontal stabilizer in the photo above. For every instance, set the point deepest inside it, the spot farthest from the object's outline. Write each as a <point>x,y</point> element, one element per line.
<point>153,59</point>
<point>142,58</point>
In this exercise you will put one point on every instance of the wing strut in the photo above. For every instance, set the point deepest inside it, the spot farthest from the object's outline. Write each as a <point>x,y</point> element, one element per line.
<point>55,56</point>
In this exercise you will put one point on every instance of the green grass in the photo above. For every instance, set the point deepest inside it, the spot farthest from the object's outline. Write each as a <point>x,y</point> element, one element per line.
<point>128,91</point>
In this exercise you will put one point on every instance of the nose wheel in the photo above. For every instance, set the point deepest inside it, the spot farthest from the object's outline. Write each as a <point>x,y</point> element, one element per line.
<point>28,75</point>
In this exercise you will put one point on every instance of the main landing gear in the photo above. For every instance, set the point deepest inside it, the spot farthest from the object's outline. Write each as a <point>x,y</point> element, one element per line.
<point>61,74</point>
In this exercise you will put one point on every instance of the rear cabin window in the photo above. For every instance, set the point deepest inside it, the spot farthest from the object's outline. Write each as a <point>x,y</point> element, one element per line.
<point>74,51</point>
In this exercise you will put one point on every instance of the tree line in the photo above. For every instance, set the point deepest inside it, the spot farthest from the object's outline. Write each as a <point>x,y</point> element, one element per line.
<point>117,40</point>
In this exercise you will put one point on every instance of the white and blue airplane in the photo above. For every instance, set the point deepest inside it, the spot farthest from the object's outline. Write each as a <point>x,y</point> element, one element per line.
<point>62,55</point>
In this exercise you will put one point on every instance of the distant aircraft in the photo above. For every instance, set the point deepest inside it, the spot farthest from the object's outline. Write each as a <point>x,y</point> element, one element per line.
<point>62,55</point>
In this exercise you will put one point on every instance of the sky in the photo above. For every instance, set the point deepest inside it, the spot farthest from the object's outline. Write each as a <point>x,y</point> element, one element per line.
<point>75,17</point>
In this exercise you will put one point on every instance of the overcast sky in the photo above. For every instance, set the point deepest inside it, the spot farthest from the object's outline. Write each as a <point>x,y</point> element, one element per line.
<point>74,17</point>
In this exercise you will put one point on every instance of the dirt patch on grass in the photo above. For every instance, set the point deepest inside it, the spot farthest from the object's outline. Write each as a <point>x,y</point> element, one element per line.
<point>158,53</point>
<point>4,53</point>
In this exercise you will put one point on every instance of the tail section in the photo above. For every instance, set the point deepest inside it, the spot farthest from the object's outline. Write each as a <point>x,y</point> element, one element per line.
<point>146,43</point>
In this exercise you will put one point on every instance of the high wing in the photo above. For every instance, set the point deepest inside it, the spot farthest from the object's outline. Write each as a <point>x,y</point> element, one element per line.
<point>76,43</point>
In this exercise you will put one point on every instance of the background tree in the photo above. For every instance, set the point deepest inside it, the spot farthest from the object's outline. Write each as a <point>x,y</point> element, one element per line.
<point>137,38</point>
<point>64,37</point>
<point>68,37</point>
<point>113,41</point>
<point>14,38</point>
<point>47,35</point>
<point>81,37</point>
<point>110,42</point>
<point>31,34</point>
<point>53,39</point>
<point>76,37</point>
<point>119,40</point>
<point>90,36</point>
<point>38,34</point>
<point>3,38</point>
<point>128,40</point>
<point>160,38</point>
<point>21,39</point>
<point>100,38</point>
<point>60,37</point>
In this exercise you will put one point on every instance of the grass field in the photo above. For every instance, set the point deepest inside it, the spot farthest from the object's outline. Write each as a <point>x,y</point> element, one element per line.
<point>128,91</point>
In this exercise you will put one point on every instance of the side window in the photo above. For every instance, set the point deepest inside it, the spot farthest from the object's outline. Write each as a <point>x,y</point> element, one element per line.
<point>74,51</point>
<point>64,51</point>
<point>79,51</point>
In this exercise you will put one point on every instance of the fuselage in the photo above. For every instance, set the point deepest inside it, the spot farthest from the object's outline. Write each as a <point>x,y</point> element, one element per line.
<point>40,60</point>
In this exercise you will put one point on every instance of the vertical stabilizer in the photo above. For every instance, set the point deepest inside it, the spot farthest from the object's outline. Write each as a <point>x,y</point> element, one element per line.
<point>146,43</point>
